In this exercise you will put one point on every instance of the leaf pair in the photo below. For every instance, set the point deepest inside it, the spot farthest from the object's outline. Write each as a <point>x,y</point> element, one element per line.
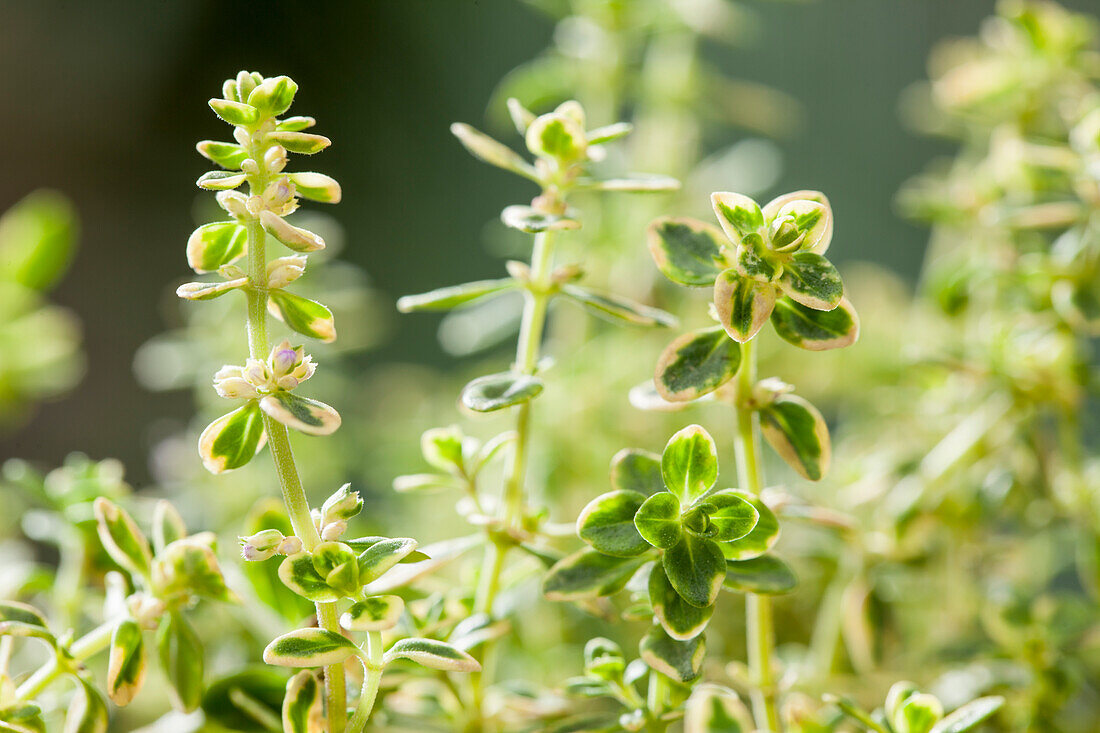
<point>234,438</point>
<point>321,648</point>
<point>334,570</point>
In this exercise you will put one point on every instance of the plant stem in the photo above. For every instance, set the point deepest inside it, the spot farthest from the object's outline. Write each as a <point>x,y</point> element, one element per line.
<point>537,298</point>
<point>760,634</point>
<point>655,700</point>
<point>86,646</point>
<point>294,496</point>
<point>372,677</point>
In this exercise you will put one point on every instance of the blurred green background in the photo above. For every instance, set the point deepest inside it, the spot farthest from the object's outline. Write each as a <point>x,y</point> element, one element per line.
<point>105,100</point>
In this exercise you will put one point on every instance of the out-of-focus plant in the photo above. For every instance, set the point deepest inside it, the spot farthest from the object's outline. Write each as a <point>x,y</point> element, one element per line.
<point>149,586</point>
<point>37,243</point>
<point>562,146</point>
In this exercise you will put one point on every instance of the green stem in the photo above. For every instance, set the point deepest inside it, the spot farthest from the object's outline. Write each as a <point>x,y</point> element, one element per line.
<point>760,634</point>
<point>537,300</point>
<point>655,700</point>
<point>86,646</point>
<point>372,678</point>
<point>294,496</point>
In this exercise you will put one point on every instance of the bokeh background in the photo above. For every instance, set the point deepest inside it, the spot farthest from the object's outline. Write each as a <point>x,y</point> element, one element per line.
<point>105,100</point>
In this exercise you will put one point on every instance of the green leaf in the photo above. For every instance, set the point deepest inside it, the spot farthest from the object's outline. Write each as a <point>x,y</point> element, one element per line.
<point>738,214</point>
<point>695,566</point>
<point>233,439</point>
<point>20,619</point>
<point>811,280</point>
<point>209,291</point>
<point>715,709</point>
<point>307,317</point>
<point>37,239</point>
<point>376,613</point>
<point>679,619</point>
<point>613,308</point>
<point>679,660</point>
<point>486,149</point>
<point>220,180</point>
<point>969,715</point>
<point>686,251</point>
<point>762,536</point>
<point>607,523</point>
<point>637,470</point>
<point>316,187</point>
<point>381,556</point>
<point>816,330</point>
<point>295,238</point>
<point>259,687</point>
<point>765,574</point>
<point>813,220</point>
<point>696,364</point>
<point>497,391</point>
<point>742,304</point>
<point>126,663</point>
<point>732,517</point>
<point>558,136</point>
<point>754,261</point>
<point>432,654</point>
<point>227,155</point>
<point>309,648</point>
<point>301,413</point>
<point>658,520</point>
<point>87,711</point>
<point>296,124</point>
<point>607,133</point>
<point>589,574</point>
<point>235,113</point>
<point>22,718</point>
<point>798,433</point>
<point>443,299</point>
<point>274,95</point>
<point>181,657</point>
<point>22,613</point>
<point>213,245</point>
<point>303,708</point>
<point>303,143</point>
<point>442,448</point>
<point>917,714</point>
<point>781,206</point>
<point>189,566</point>
<point>689,464</point>
<point>121,538</point>
<point>533,221</point>
<point>603,658</point>
<point>298,573</point>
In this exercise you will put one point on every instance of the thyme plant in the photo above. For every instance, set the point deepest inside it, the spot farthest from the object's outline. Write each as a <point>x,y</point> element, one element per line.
<point>317,564</point>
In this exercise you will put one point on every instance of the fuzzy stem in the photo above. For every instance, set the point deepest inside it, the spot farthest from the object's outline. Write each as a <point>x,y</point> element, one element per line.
<point>758,612</point>
<point>372,678</point>
<point>86,646</point>
<point>294,496</point>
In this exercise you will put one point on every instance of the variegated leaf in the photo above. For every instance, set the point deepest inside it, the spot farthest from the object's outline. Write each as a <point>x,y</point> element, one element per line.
<point>310,648</point>
<point>743,304</point>
<point>233,439</point>
<point>306,415</point>
<point>696,364</point>
<point>432,654</point>
<point>213,245</point>
<point>307,317</point>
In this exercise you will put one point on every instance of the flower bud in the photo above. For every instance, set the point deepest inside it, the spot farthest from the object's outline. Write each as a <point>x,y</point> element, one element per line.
<point>234,203</point>
<point>230,382</point>
<point>241,136</point>
<point>262,545</point>
<point>275,159</point>
<point>250,166</point>
<point>333,530</point>
<point>342,505</point>
<point>255,371</point>
<point>285,270</point>
<point>289,546</point>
